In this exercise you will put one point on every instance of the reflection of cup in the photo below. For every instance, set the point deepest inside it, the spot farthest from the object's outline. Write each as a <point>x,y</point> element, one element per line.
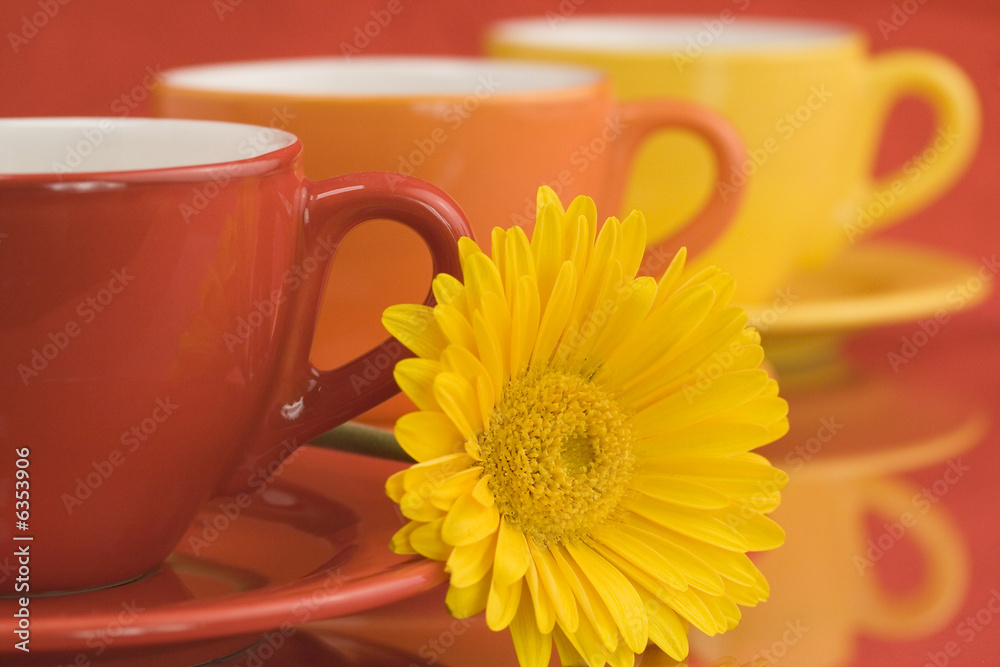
<point>158,291</point>
<point>810,103</point>
<point>824,581</point>
<point>487,132</point>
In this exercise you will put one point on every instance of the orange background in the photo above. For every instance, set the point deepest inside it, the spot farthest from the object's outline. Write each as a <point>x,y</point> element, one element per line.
<point>88,55</point>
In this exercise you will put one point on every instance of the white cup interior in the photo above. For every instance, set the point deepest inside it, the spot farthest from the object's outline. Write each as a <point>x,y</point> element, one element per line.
<point>631,34</point>
<point>377,76</point>
<point>87,145</point>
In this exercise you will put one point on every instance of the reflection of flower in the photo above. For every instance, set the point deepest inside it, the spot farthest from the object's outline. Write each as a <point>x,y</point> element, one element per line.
<point>583,442</point>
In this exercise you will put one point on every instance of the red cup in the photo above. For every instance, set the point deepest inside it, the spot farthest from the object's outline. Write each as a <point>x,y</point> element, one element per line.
<point>159,287</point>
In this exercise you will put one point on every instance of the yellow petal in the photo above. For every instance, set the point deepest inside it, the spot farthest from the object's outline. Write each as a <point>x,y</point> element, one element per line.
<point>622,657</point>
<point>417,507</point>
<point>704,439</point>
<point>490,353</point>
<point>695,571</point>
<point>594,276</point>
<point>481,492</point>
<point>520,262</point>
<point>730,565</point>
<point>547,197</point>
<point>455,327</point>
<point>467,248</point>
<point>725,612</point>
<point>458,400</point>
<point>766,410</point>
<point>587,643</point>
<point>394,487</point>
<point>415,327</point>
<point>545,616</point>
<point>498,249</point>
<point>469,521</point>
<point>461,361</point>
<point>556,585</point>
<point>415,378</point>
<point>546,248</point>
<point>568,653</point>
<point>427,435</point>
<point>679,491</point>
<point>724,286</point>
<point>760,532</point>
<point>679,409</point>
<point>627,545</point>
<point>464,602</point>
<point>400,542</point>
<point>524,324</point>
<point>633,302</point>
<point>691,605</point>
<point>581,231</point>
<point>556,315</point>
<point>748,594</point>
<point>469,563</point>
<point>425,476</point>
<point>742,474</point>
<point>694,363</point>
<point>668,283</point>
<point>426,539</point>
<point>686,602</point>
<point>633,244</point>
<point>481,277</point>
<point>616,592</point>
<point>666,629</point>
<point>496,315</point>
<point>595,613</point>
<point>502,603</point>
<point>449,290</point>
<point>699,524</point>
<point>649,341</point>
<point>512,554</point>
<point>487,399</point>
<point>582,335</point>
<point>532,647</point>
<point>456,485</point>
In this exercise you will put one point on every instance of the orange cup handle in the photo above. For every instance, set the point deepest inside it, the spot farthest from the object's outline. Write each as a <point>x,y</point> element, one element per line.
<point>642,119</point>
<point>307,401</point>
<point>947,574</point>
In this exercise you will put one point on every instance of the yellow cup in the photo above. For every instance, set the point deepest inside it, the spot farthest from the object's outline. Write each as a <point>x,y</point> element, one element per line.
<point>811,104</point>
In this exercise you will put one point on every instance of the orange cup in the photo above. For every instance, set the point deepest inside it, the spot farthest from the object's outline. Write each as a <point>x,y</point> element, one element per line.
<point>487,132</point>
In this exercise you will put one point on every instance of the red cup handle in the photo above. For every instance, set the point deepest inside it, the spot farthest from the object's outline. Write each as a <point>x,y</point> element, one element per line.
<point>308,401</point>
<point>643,118</point>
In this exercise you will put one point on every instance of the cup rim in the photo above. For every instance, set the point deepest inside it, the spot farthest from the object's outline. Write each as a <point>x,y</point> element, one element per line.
<point>637,34</point>
<point>256,158</point>
<point>271,78</point>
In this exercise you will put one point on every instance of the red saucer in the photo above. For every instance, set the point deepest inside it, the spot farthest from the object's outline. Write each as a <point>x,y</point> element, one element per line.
<point>310,545</point>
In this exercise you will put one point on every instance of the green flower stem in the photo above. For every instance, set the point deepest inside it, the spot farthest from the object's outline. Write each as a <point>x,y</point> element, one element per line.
<point>361,439</point>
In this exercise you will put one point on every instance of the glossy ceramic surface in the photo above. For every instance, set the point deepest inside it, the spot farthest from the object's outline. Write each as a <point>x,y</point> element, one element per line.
<point>808,99</point>
<point>488,133</point>
<point>155,326</point>
<point>845,508</point>
<point>309,544</point>
<point>870,285</point>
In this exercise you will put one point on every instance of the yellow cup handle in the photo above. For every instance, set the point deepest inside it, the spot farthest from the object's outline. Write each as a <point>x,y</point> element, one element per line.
<point>946,582</point>
<point>953,99</point>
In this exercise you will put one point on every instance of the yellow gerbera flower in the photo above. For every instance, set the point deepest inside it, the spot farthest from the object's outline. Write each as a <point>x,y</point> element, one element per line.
<point>583,442</point>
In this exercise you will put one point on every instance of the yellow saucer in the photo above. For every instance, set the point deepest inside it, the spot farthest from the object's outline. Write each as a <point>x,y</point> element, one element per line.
<point>875,284</point>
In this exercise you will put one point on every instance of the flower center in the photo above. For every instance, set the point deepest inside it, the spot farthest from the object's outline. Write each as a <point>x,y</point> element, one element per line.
<point>560,450</point>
